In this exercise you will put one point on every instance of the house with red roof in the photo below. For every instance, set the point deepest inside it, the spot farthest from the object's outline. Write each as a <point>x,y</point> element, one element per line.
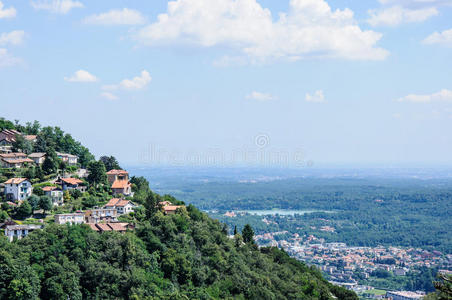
<point>169,208</point>
<point>55,193</point>
<point>119,181</point>
<point>17,189</point>
<point>122,206</point>
<point>72,184</point>
<point>118,227</point>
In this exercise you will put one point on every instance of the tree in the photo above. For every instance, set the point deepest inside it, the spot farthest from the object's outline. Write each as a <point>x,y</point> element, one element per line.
<point>22,145</point>
<point>110,163</point>
<point>25,210</point>
<point>151,204</point>
<point>248,234</point>
<point>235,229</point>
<point>34,201</point>
<point>97,173</point>
<point>45,203</point>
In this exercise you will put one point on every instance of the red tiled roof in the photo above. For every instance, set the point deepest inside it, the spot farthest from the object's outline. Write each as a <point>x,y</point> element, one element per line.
<point>17,160</point>
<point>104,227</point>
<point>117,172</point>
<point>15,180</point>
<point>117,202</point>
<point>118,226</point>
<point>30,137</point>
<point>13,155</point>
<point>120,184</point>
<point>93,227</point>
<point>112,202</point>
<point>71,181</point>
<point>49,188</point>
<point>171,207</point>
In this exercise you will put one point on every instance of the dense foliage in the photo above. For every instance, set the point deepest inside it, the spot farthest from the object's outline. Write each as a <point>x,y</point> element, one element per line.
<point>366,212</point>
<point>186,255</point>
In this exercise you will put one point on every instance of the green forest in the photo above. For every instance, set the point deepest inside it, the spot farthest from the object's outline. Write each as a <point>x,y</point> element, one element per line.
<point>366,211</point>
<point>183,256</point>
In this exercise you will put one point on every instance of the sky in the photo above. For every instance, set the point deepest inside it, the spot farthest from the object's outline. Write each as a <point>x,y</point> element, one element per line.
<point>231,82</point>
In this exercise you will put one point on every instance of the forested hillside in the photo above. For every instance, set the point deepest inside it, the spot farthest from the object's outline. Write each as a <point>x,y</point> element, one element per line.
<point>181,256</point>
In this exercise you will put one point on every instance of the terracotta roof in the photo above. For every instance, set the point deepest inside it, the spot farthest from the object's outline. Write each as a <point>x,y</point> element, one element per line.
<point>123,203</point>
<point>104,227</point>
<point>93,227</point>
<point>112,202</point>
<point>30,137</point>
<point>171,207</point>
<point>37,155</point>
<point>49,188</point>
<point>71,181</point>
<point>17,160</point>
<point>118,226</point>
<point>15,180</point>
<point>117,172</point>
<point>120,184</point>
<point>13,155</point>
<point>110,226</point>
<point>118,202</point>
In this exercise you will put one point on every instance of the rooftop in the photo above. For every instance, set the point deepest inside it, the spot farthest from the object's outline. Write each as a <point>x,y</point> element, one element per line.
<point>15,180</point>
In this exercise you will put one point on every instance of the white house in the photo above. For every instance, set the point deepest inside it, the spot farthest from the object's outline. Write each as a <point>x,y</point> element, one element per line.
<point>19,231</point>
<point>38,157</point>
<point>101,215</point>
<point>68,158</point>
<point>17,189</point>
<point>75,218</point>
<point>121,206</point>
<point>55,194</point>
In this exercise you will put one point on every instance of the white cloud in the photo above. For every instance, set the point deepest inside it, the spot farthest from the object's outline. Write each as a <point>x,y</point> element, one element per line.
<point>441,96</point>
<point>56,6</point>
<point>109,96</point>
<point>395,12</point>
<point>397,15</point>
<point>260,96</point>
<point>317,97</point>
<point>9,12</point>
<point>443,38</point>
<point>309,29</point>
<point>125,16</point>
<point>15,37</point>
<point>136,83</point>
<point>7,60</point>
<point>81,76</point>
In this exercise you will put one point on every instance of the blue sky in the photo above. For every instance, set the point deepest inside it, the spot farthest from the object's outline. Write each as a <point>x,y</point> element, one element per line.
<point>351,82</point>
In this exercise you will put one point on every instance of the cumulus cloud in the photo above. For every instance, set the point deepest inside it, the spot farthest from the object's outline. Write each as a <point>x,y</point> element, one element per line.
<point>125,16</point>
<point>395,12</point>
<point>7,60</point>
<point>441,96</point>
<point>56,6</point>
<point>109,96</point>
<point>81,76</point>
<point>442,38</point>
<point>136,83</point>
<point>309,29</point>
<point>317,97</point>
<point>260,96</point>
<point>9,12</point>
<point>396,15</point>
<point>15,37</point>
